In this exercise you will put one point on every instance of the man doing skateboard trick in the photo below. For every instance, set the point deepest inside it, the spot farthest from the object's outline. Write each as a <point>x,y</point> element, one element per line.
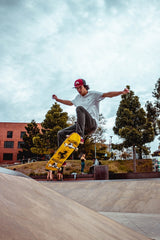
<point>87,110</point>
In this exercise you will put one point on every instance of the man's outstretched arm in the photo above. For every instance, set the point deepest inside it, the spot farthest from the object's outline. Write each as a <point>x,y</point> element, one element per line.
<point>66,102</point>
<point>116,93</point>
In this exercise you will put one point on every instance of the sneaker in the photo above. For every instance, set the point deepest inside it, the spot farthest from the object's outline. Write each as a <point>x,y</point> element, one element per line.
<point>82,140</point>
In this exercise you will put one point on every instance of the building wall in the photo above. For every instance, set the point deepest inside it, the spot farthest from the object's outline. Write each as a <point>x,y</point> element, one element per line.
<point>8,153</point>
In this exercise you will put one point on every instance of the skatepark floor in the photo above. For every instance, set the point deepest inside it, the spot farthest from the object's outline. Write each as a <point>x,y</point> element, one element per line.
<point>106,210</point>
<point>132,203</point>
<point>147,224</point>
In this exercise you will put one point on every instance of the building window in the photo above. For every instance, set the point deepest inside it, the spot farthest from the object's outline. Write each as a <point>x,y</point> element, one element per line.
<point>9,134</point>
<point>8,144</point>
<point>22,134</point>
<point>20,144</point>
<point>8,156</point>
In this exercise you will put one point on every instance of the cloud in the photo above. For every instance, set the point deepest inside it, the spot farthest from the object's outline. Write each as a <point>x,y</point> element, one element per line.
<point>45,46</point>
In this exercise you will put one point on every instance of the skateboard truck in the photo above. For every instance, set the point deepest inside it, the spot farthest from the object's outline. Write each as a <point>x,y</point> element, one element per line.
<point>53,165</point>
<point>70,145</point>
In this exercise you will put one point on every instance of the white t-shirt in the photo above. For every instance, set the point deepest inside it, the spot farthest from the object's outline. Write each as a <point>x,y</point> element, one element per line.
<point>90,102</point>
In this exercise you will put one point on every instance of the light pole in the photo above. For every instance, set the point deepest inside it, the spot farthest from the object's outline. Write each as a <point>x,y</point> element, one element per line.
<point>95,152</point>
<point>110,144</point>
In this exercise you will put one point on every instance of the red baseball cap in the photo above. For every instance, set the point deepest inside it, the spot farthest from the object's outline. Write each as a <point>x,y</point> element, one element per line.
<point>79,82</point>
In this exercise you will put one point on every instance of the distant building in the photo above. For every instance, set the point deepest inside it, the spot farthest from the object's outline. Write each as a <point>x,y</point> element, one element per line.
<point>11,138</point>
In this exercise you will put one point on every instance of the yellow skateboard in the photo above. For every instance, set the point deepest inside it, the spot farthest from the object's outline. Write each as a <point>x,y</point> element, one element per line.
<point>64,151</point>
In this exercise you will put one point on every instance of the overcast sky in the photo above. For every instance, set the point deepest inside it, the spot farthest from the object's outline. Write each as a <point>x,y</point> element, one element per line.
<point>46,45</point>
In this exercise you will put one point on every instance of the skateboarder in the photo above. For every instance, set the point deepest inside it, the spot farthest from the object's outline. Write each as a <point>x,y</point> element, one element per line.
<point>87,109</point>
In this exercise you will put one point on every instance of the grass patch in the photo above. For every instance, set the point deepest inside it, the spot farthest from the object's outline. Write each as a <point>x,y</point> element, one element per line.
<point>119,166</point>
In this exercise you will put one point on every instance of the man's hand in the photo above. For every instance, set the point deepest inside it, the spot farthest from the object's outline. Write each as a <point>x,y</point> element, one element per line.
<point>125,91</point>
<point>54,97</point>
<point>114,94</point>
<point>66,102</point>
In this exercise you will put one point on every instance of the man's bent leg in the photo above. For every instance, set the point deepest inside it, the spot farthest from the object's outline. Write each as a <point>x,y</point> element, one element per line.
<point>64,132</point>
<point>85,123</point>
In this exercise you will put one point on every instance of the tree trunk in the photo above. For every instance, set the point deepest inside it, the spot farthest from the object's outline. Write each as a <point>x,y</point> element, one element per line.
<point>134,159</point>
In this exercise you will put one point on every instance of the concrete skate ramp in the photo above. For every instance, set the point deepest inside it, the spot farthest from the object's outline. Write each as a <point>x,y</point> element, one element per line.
<point>130,196</point>
<point>29,210</point>
<point>11,172</point>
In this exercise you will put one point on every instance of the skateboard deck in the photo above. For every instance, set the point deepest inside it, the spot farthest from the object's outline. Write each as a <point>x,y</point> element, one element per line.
<point>64,151</point>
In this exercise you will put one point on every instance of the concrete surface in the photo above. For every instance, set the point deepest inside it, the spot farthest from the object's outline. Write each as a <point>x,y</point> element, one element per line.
<point>146,224</point>
<point>133,203</point>
<point>133,196</point>
<point>11,172</point>
<point>30,210</point>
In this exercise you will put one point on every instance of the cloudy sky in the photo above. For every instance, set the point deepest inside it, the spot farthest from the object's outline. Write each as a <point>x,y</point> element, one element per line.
<point>46,45</point>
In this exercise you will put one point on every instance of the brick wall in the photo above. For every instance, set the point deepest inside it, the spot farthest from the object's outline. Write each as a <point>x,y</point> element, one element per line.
<point>8,153</point>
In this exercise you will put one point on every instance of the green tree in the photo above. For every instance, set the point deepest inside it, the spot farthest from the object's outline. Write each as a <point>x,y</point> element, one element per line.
<point>55,120</point>
<point>153,109</point>
<point>94,144</point>
<point>132,125</point>
<point>98,135</point>
<point>32,130</point>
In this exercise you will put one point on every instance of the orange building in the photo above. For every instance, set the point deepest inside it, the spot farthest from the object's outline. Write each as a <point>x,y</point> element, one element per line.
<point>11,138</point>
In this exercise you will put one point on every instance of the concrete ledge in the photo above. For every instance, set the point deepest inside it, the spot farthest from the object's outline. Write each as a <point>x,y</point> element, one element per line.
<point>134,175</point>
<point>101,172</point>
<point>66,177</point>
